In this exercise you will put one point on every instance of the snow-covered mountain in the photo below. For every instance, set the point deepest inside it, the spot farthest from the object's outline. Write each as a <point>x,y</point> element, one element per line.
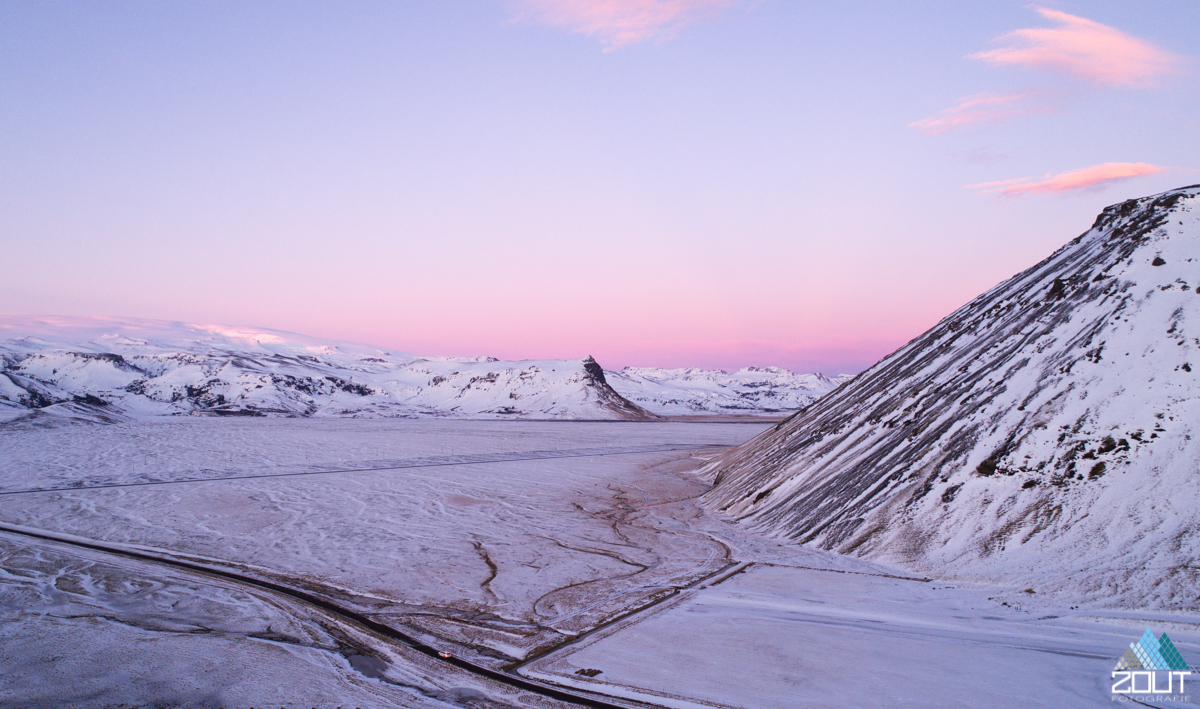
<point>110,369</point>
<point>1045,435</point>
<point>116,368</point>
<point>753,390</point>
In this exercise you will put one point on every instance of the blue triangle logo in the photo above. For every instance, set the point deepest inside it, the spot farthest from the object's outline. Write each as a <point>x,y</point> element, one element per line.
<point>1151,653</point>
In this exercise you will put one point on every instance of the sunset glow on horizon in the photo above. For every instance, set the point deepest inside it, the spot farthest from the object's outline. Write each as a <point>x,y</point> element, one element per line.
<point>712,183</point>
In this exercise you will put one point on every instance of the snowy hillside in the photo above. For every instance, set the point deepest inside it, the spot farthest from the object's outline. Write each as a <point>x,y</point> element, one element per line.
<point>753,390</point>
<point>1045,435</point>
<point>110,369</point>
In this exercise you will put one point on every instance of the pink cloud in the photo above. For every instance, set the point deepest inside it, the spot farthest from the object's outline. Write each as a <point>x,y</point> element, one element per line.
<point>1093,177</point>
<point>983,109</point>
<point>618,23</point>
<point>1087,49</point>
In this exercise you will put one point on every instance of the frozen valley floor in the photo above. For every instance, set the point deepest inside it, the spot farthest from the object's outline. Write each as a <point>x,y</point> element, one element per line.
<point>570,554</point>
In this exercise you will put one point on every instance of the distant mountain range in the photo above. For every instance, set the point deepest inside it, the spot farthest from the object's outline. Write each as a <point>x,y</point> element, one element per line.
<point>112,369</point>
<point>753,390</point>
<point>1045,435</point>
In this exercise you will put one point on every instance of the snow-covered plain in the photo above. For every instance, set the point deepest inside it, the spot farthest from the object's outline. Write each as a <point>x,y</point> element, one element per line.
<point>569,526</point>
<point>467,538</point>
<point>80,628</point>
<point>781,636</point>
<point>491,559</point>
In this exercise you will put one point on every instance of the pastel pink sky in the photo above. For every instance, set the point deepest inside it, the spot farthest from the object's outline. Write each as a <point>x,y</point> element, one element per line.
<point>716,183</point>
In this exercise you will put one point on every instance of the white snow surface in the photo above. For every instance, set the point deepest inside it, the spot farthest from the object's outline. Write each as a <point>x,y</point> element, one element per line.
<point>112,369</point>
<point>778,636</point>
<point>1045,434</point>
<point>80,628</point>
<point>502,541</point>
<point>752,390</point>
<point>490,538</point>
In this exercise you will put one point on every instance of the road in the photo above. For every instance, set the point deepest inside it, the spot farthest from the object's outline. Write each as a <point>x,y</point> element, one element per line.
<point>508,676</point>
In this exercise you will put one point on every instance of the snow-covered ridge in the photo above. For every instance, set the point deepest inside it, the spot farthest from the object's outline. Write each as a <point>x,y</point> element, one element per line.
<point>752,390</point>
<point>110,369</point>
<point>1043,435</point>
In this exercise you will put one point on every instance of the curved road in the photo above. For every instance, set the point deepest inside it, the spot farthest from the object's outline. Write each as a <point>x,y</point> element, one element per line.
<point>541,688</point>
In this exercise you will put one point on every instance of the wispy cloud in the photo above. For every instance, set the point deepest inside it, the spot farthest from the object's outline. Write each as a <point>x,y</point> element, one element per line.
<point>1076,46</point>
<point>1083,48</point>
<point>1094,177</point>
<point>617,23</point>
<point>986,108</point>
